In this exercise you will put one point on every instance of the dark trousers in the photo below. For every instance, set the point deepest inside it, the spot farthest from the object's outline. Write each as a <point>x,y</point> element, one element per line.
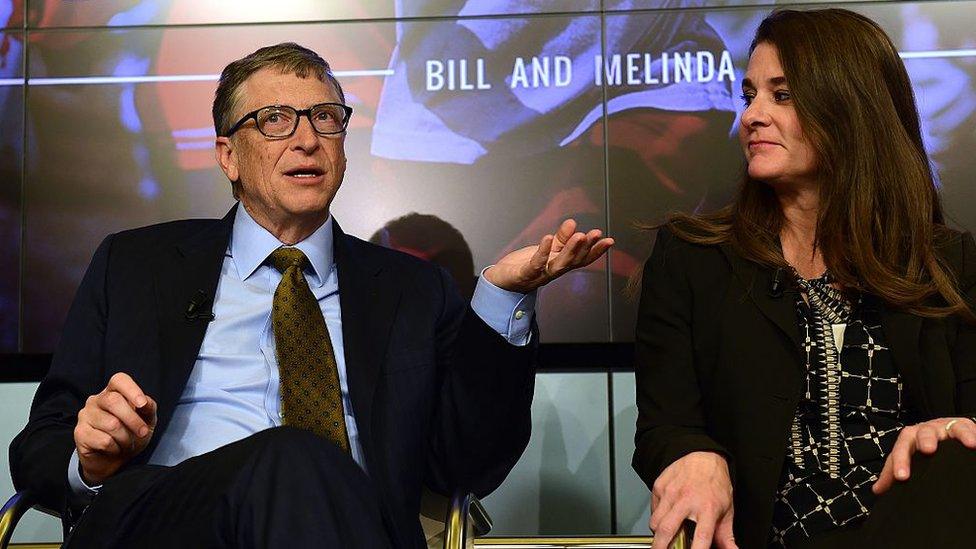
<point>933,509</point>
<point>278,488</point>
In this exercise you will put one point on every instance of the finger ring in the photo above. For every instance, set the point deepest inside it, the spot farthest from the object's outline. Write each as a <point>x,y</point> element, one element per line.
<point>948,426</point>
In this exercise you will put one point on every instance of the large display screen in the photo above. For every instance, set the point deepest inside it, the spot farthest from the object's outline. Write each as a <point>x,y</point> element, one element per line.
<point>479,125</point>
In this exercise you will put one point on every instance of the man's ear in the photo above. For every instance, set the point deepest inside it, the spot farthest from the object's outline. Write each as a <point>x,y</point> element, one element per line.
<point>226,156</point>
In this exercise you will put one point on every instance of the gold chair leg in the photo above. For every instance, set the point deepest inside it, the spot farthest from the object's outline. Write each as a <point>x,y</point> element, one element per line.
<point>10,515</point>
<point>466,519</point>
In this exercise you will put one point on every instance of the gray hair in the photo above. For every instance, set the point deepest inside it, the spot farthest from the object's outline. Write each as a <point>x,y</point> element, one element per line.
<point>288,57</point>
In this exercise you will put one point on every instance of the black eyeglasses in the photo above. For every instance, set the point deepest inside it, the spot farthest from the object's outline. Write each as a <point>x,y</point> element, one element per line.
<point>278,121</point>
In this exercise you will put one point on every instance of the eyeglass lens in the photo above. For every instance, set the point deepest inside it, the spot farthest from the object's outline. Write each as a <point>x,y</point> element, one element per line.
<point>281,121</point>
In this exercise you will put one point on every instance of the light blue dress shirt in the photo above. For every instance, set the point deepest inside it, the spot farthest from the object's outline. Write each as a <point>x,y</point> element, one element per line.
<point>233,389</point>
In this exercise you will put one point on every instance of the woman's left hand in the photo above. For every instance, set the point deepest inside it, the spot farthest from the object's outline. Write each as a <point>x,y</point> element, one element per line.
<point>925,438</point>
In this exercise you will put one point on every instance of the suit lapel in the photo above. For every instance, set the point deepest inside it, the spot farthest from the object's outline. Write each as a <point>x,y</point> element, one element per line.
<point>758,281</point>
<point>368,294</point>
<point>190,272</point>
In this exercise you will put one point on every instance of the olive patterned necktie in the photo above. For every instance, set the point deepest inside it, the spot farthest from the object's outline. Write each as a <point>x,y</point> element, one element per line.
<point>311,398</point>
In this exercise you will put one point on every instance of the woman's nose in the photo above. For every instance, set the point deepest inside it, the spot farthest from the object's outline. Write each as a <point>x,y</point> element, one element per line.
<point>755,115</point>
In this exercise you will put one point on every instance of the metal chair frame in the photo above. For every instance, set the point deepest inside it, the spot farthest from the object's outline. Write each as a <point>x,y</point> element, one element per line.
<point>465,520</point>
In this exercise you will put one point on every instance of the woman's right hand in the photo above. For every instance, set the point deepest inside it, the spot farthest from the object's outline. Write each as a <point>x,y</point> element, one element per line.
<point>697,487</point>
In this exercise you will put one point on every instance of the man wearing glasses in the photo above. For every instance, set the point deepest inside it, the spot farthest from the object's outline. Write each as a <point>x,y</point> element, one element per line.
<point>265,379</point>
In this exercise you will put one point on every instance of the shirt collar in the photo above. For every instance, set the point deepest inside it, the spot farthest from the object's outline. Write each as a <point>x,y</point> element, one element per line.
<point>251,244</point>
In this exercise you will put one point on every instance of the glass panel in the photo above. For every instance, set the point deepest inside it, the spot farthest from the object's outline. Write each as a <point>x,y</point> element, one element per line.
<point>633,496</point>
<point>938,44</point>
<point>505,153</point>
<point>123,13</point>
<point>627,5</point>
<point>684,163</point>
<point>669,78</point>
<point>11,14</point>
<point>561,485</point>
<point>11,179</point>
<point>465,8</point>
<point>15,402</point>
<point>115,13</point>
<point>436,144</point>
<point>117,152</point>
<point>459,144</point>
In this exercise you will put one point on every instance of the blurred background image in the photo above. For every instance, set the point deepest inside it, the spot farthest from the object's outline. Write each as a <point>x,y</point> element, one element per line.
<point>500,118</point>
<point>479,126</point>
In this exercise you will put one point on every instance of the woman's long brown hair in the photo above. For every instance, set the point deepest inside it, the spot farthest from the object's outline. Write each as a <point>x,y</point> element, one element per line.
<point>880,215</point>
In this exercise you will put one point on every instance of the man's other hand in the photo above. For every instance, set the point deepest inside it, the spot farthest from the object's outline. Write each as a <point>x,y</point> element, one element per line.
<point>529,268</point>
<point>115,425</point>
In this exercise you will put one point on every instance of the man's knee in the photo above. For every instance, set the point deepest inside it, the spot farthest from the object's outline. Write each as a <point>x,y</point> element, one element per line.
<point>287,470</point>
<point>291,451</point>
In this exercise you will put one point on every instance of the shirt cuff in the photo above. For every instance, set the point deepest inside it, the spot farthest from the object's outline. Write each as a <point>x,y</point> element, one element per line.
<point>79,488</point>
<point>508,313</point>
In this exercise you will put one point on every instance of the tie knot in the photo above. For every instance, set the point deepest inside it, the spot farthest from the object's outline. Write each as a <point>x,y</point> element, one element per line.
<point>283,258</point>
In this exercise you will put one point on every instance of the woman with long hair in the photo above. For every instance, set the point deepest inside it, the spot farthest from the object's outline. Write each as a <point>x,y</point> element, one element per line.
<point>806,357</point>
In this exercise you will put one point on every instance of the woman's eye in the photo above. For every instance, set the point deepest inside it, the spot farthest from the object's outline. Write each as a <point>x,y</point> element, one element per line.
<point>746,98</point>
<point>781,95</point>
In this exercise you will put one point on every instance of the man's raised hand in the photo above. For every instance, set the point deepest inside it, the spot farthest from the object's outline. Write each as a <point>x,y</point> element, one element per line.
<point>528,268</point>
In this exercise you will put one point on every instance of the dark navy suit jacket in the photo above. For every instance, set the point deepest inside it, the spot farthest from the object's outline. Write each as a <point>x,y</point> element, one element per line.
<point>440,398</point>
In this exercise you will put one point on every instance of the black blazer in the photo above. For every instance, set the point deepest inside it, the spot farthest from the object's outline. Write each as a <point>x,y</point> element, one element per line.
<point>439,397</point>
<point>719,366</point>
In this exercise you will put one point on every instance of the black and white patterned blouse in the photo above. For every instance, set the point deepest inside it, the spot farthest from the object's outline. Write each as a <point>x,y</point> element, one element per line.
<point>847,420</point>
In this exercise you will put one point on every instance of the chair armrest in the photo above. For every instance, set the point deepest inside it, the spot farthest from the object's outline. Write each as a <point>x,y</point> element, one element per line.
<point>682,539</point>
<point>10,515</point>
<point>466,519</point>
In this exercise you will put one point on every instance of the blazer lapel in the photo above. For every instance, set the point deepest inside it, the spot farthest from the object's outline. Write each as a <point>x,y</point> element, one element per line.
<point>902,331</point>
<point>189,274</point>
<point>758,280</point>
<point>368,294</point>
